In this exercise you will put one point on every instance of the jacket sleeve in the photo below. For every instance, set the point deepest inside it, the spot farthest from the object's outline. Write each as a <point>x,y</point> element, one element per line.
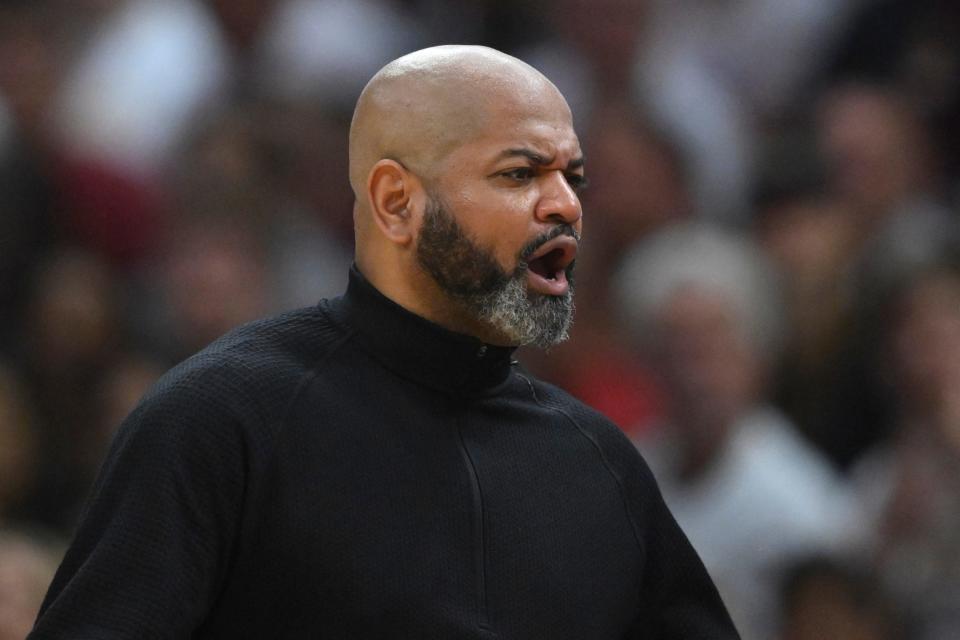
<point>159,528</point>
<point>678,598</point>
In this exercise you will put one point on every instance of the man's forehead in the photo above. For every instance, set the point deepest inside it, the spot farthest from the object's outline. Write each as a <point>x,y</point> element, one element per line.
<point>539,140</point>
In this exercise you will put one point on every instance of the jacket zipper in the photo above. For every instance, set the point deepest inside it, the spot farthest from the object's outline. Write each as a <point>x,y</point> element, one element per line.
<point>479,550</point>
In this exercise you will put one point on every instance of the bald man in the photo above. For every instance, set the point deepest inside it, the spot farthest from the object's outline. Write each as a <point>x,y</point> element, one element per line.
<point>378,466</point>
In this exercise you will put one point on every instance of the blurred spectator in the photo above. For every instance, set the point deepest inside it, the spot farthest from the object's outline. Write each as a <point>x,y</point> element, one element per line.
<point>26,569</point>
<point>813,240</point>
<point>72,323</point>
<point>69,335</point>
<point>26,232</point>
<point>866,214</point>
<point>258,211</point>
<point>242,22</point>
<point>501,24</point>
<point>882,168</point>
<point>19,456</point>
<point>130,96</point>
<point>913,45</point>
<point>108,212</point>
<point>310,223</point>
<point>750,494</point>
<point>156,64</point>
<point>301,147</point>
<point>810,237</point>
<point>639,183</point>
<point>325,49</point>
<point>824,598</point>
<point>765,52</point>
<point>712,72</point>
<point>28,80</point>
<point>716,74</point>
<point>212,279</point>
<point>591,50</point>
<point>880,218</point>
<point>911,485</point>
<point>33,45</point>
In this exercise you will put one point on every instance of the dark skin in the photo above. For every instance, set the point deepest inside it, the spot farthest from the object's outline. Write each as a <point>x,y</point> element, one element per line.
<point>485,132</point>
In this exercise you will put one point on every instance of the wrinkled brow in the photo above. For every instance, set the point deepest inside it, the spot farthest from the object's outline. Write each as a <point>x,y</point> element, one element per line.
<point>538,158</point>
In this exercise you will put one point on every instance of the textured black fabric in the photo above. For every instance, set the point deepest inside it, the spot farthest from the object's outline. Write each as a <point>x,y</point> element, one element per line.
<point>354,471</point>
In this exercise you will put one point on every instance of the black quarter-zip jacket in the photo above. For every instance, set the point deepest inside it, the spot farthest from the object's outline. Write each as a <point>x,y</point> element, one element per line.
<point>353,471</point>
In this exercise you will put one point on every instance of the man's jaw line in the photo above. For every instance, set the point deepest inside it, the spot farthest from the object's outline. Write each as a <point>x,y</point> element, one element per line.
<point>483,299</point>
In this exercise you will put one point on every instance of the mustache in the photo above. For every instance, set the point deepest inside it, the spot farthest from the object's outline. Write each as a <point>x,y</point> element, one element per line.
<point>560,230</point>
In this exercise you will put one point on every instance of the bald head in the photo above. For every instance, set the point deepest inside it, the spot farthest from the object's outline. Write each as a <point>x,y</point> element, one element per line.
<point>421,106</point>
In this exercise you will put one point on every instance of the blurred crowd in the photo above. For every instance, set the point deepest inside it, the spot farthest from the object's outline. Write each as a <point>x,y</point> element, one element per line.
<point>768,290</point>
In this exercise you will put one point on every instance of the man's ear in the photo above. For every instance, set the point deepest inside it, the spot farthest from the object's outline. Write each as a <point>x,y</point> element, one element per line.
<point>392,190</point>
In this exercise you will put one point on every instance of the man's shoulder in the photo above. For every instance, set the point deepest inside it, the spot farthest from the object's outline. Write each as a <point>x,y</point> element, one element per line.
<point>254,368</point>
<point>294,340</point>
<point>585,417</point>
<point>618,453</point>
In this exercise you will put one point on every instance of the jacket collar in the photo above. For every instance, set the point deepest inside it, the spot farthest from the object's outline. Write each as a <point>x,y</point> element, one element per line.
<point>414,347</point>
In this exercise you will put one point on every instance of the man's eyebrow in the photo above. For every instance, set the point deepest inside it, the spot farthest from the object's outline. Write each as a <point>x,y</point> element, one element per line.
<point>538,158</point>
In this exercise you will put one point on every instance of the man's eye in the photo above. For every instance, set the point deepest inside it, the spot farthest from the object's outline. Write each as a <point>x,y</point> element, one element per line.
<point>520,174</point>
<point>577,182</point>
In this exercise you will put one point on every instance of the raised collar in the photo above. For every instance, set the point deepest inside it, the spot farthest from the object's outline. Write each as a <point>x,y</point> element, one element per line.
<point>416,348</point>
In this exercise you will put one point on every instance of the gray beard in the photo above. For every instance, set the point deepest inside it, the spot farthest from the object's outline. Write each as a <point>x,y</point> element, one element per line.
<point>471,276</point>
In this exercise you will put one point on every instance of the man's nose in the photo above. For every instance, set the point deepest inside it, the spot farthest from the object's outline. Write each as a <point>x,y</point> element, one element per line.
<point>558,201</point>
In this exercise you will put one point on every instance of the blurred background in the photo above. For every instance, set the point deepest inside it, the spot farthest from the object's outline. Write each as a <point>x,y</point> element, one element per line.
<point>768,293</point>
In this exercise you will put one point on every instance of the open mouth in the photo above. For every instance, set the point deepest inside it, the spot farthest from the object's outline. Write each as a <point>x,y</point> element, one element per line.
<point>547,267</point>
